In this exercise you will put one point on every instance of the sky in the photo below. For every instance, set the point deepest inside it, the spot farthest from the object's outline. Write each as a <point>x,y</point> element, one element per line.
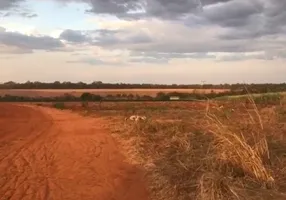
<point>143,41</point>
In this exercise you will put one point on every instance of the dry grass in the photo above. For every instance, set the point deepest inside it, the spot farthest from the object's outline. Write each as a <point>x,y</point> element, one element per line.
<point>220,154</point>
<point>213,186</point>
<point>233,149</point>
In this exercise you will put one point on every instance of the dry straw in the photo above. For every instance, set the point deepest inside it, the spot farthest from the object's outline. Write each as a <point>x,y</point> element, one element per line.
<point>231,148</point>
<point>213,186</point>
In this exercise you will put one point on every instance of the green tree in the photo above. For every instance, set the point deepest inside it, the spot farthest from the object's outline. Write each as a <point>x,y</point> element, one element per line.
<point>86,96</point>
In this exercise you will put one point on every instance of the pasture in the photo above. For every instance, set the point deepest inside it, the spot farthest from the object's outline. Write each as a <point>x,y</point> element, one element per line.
<point>212,150</point>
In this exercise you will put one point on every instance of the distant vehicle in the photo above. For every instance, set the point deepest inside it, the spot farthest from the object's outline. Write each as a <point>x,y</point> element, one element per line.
<point>174,98</point>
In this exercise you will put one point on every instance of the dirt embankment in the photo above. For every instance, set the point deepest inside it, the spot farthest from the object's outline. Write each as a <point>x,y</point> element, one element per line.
<point>46,154</point>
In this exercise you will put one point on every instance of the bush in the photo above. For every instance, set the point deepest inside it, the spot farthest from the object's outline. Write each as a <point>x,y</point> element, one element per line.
<point>86,96</point>
<point>59,105</point>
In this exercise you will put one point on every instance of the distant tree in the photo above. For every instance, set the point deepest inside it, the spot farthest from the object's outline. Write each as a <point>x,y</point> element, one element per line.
<point>86,96</point>
<point>162,96</point>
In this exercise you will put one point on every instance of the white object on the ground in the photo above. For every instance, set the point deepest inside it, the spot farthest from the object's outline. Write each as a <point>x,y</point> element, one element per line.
<point>136,118</point>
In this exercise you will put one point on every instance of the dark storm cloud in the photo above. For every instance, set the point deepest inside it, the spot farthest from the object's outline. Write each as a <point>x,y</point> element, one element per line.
<point>74,36</point>
<point>8,4</point>
<point>22,41</point>
<point>28,15</point>
<point>271,20</point>
<point>15,8</point>
<point>233,13</point>
<point>123,6</point>
<point>242,25</point>
<point>113,7</point>
<point>103,37</point>
<point>113,39</point>
<point>157,8</point>
<point>229,13</point>
<point>245,19</point>
<point>210,2</point>
<point>200,48</point>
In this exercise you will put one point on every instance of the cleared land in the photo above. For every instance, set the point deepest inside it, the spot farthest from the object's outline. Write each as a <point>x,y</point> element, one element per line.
<point>47,154</point>
<point>218,150</point>
<point>202,150</point>
<point>102,92</point>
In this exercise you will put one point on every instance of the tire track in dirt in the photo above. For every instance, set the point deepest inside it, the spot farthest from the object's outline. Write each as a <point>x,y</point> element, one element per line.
<point>54,155</point>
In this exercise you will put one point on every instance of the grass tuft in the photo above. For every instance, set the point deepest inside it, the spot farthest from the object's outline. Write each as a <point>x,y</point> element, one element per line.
<point>213,186</point>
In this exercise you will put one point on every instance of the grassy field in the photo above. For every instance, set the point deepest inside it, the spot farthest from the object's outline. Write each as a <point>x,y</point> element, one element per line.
<point>102,92</point>
<point>253,95</point>
<point>207,150</point>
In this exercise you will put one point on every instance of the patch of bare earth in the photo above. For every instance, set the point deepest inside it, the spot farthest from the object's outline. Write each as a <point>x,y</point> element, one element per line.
<point>46,154</point>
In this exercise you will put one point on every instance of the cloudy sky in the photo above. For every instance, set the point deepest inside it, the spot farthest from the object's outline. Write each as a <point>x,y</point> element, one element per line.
<point>143,41</point>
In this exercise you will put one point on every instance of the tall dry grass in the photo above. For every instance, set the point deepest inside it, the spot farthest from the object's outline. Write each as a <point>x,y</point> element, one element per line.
<point>214,186</point>
<point>233,153</point>
<point>211,154</point>
<point>233,148</point>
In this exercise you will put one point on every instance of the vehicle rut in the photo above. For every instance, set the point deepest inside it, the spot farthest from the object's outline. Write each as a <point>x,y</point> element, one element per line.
<point>47,154</point>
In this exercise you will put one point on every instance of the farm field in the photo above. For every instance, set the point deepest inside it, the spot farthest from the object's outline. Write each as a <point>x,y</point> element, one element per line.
<point>102,92</point>
<point>253,95</point>
<point>206,150</point>
<point>212,150</point>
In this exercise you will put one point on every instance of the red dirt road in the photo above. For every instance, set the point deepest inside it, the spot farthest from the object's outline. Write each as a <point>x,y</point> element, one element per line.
<point>46,154</point>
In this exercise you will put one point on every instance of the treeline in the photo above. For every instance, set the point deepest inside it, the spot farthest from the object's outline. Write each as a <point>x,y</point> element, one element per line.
<point>118,97</point>
<point>86,96</point>
<point>253,88</point>
<point>101,85</point>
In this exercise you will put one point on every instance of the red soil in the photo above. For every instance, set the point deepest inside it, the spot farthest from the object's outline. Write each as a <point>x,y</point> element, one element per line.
<point>46,154</point>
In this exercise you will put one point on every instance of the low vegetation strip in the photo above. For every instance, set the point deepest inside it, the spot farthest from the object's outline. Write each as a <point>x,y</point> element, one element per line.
<point>160,96</point>
<point>253,88</point>
<point>103,92</point>
<point>99,91</point>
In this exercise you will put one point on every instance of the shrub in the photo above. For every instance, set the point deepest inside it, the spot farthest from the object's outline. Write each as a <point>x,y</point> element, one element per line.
<point>59,105</point>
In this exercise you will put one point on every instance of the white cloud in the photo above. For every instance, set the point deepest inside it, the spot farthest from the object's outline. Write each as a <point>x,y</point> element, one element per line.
<point>21,28</point>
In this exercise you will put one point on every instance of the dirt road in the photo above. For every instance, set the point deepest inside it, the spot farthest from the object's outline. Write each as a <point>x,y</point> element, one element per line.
<point>47,154</point>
